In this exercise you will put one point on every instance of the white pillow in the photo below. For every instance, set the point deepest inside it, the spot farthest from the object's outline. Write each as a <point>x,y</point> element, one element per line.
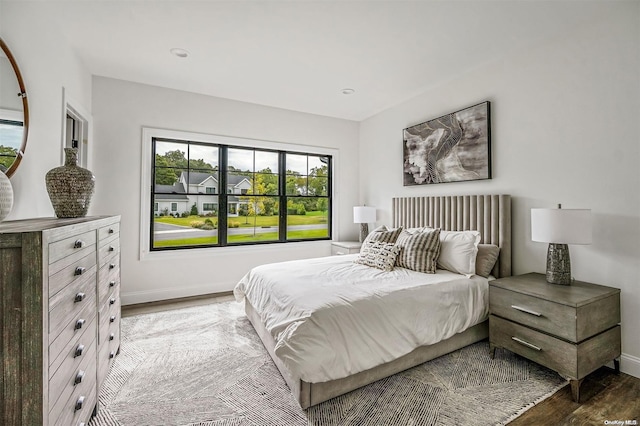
<point>458,251</point>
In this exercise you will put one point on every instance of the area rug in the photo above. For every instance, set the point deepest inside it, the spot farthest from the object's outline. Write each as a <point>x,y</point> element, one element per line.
<point>206,366</point>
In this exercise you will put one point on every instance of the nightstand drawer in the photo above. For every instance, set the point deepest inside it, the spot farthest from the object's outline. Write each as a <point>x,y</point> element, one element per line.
<point>347,247</point>
<point>550,317</point>
<point>570,360</point>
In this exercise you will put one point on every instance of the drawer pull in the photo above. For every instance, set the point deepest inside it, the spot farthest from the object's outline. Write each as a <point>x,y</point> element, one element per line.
<point>112,301</point>
<point>79,324</point>
<point>78,351</point>
<point>112,248</point>
<point>526,311</point>
<point>79,297</point>
<point>79,378</point>
<point>112,336</point>
<point>527,344</point>
<point>112,283</point>
<point>79,403</point>
<point>78,244</point>
<point>112,355</point>
<point>112,318</point>
<point>112,265</point>
<point>79,270</point>
<point>111,231</point>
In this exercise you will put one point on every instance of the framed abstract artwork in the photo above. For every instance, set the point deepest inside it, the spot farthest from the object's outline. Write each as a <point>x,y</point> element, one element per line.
<point>453,148</point>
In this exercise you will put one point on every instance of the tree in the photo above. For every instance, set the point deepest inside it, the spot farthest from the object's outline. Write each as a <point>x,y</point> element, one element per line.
<point>164,174</point>
<point>194,210</point>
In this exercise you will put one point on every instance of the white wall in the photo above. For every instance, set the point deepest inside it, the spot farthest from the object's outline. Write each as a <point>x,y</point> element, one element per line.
<point>564,130</point>
<point>47,64</point>
<point>121,109</point>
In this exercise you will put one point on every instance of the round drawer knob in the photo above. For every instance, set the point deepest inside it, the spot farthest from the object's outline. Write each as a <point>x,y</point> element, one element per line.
<point>79,324</point>
<point>112,336</point>
<point>112,318</point>
<point>78,351</point>
<point>112,301</point>
<point>79,270</point>
<point>112,283</point>
<point>79,403</point>
<point>79,297</point>
<point>79,377</point>
<point>112,265</point>
<point>78,244</point>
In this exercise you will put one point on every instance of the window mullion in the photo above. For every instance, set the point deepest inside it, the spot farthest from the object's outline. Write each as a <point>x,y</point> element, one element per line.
<point>222,196</point>
<point>282,189</point>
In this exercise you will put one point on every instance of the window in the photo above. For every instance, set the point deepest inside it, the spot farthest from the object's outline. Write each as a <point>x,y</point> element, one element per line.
<point>272,196</point>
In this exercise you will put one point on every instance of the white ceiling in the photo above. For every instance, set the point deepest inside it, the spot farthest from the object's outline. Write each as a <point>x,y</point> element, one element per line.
<point>298,55</point>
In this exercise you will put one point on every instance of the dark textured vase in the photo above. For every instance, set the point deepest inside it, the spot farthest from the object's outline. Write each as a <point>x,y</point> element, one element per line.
<point>70,186</point>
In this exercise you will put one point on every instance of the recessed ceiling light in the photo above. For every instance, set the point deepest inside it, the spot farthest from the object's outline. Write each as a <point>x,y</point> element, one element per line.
<point>180,53</point>
<point>348,91</point>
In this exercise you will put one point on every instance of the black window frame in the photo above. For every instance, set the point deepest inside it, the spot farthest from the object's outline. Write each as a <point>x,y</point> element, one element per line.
<point>223,196</point>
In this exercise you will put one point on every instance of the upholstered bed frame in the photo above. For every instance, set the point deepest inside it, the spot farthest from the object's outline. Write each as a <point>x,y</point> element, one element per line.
<point>489,214</point>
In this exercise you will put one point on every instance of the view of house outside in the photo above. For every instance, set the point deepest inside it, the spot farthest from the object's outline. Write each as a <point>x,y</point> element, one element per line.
<point>189,201</point>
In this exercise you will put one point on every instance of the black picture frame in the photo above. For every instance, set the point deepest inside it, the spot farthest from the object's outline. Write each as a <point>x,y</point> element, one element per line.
<point>455,147</point>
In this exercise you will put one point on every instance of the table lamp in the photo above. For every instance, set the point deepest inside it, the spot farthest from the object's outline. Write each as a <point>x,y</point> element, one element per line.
<point>560,227</point>
<point>364,215</point>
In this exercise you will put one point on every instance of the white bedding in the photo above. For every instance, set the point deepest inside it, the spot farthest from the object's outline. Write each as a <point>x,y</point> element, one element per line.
<point>331,318</point>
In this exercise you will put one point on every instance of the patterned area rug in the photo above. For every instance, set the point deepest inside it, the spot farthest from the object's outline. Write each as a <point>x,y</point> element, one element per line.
<point>206,366</point>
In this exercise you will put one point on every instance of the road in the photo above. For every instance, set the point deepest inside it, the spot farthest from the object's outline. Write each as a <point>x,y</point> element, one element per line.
<point>165,231</point>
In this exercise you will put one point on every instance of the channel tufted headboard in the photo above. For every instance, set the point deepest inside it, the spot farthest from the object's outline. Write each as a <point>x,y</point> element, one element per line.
<point>489,214</point>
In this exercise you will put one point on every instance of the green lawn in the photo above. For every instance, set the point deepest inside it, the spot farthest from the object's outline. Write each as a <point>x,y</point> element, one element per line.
<point>268,236</point>
<point>311,218</point>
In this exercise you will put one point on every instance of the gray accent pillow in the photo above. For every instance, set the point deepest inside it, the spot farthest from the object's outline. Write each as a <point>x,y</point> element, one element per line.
<point>383,234</point>
<point>486,259</point>
<point>378,255</point>
<point>419,251</point>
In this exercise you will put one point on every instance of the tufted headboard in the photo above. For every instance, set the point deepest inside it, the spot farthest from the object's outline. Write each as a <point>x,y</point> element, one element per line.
<point>489,214</point>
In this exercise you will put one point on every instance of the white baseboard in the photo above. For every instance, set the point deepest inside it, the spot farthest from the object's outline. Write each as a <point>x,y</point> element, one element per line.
<point>135,297</point>
<point>630,364</point>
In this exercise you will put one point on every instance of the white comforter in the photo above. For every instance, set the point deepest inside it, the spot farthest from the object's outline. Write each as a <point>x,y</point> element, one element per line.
<point>331,318</point>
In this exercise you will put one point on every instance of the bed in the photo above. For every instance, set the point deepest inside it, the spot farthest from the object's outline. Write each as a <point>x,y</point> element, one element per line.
<point>357,324</point>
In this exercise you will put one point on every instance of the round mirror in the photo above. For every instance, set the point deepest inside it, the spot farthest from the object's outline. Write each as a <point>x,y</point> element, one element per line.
<point>14,113</point>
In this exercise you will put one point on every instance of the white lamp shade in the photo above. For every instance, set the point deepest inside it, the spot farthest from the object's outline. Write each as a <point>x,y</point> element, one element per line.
<point>561,226</point>
<point>364,214</point>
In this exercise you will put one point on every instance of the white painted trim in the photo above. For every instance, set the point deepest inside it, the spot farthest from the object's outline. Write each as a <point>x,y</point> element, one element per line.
<point>75,109</point>
<point>146,296</point>
<point>630,364</point>
<point>148,133</point>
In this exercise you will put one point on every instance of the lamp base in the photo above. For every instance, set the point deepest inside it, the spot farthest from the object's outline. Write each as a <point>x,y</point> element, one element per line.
<point>558,264</point>
<point>364,231</point>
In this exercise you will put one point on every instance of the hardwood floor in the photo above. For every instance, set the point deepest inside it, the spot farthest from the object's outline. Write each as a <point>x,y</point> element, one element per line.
<point>606,396</point>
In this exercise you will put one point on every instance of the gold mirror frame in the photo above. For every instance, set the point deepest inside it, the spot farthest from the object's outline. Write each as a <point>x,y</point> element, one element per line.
<point>25,109</point>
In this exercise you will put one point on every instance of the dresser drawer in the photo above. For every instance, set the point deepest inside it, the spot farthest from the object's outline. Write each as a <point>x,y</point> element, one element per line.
<point>568,359</point>
<point>109,252</point>
<point>109,280</point>
<point>108,231</point>
<point>65,305</point>
<point>69,246</point>
<point>76,401</point>
<point>77,347</point>
<point>550,317</point>
<point>83,320</point>
<point>72,272</point>
<point>71,374</point>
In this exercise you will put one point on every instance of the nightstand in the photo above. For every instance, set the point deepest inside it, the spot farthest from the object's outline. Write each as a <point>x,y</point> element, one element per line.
<point>345,247</point>
<point>572,329</point>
